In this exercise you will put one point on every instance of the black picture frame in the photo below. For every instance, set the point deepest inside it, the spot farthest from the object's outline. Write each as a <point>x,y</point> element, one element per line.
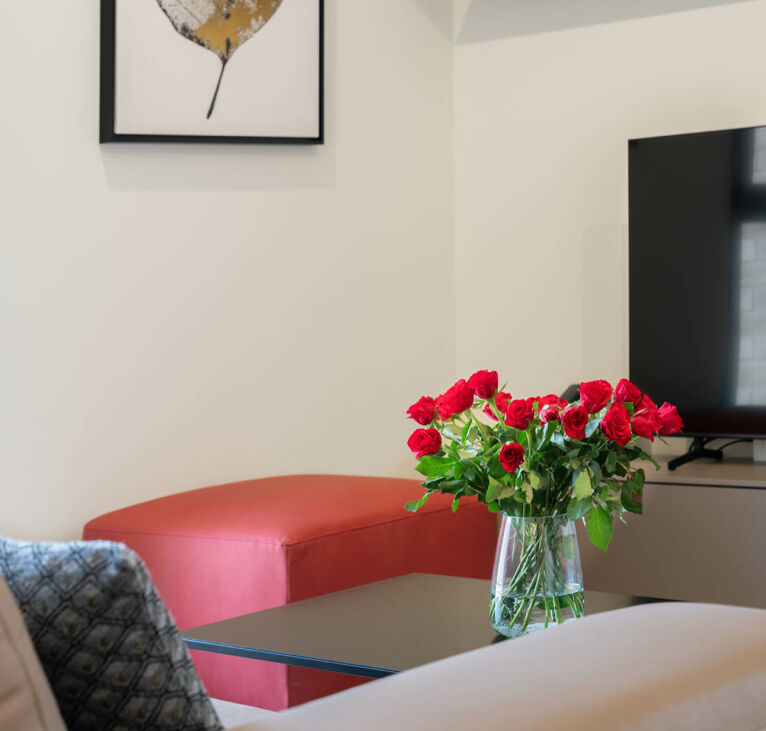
<point>107,89</point>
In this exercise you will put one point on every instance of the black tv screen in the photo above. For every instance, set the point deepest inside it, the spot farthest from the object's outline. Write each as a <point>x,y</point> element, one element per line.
<point>698,277</point>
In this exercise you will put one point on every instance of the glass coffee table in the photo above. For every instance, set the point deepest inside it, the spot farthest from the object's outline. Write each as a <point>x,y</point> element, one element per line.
<point>375,629</point>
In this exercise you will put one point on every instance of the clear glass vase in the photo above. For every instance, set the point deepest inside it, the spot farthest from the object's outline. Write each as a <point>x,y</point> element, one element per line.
<point>537,579</point>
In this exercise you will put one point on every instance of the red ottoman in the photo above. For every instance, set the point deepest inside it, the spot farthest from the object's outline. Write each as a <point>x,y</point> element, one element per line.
<point>228,550</point>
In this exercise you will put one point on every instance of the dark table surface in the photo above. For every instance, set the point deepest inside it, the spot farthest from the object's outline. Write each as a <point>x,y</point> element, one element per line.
<point>375,629</point>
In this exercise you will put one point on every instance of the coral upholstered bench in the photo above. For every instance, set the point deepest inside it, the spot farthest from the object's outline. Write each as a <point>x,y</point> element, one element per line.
<point>223,551</point>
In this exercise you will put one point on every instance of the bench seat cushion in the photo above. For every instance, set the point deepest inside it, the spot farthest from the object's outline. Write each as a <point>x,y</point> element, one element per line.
<point>228,550</point>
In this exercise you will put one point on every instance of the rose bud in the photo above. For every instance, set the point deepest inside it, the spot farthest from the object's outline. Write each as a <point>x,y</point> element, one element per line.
<point>616,424</point>
<point>575,419</point>
<point>424,442</point>
<point>594,395</point>
<point>483,384</point>
<point>646,403</point>
<point>549,413</point>
<point>552,400</point>
<point>503,401</point>
<point>626,391</point>
<point>423,410</point>
<point>645,424</point>
<point>511,456</point>
<point>520,413</point>
<point>670,421</point>
<point>646,419</point>
<point>455,400</point>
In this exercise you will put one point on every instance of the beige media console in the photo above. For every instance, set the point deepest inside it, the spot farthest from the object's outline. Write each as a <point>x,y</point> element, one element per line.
<point>702,537</point>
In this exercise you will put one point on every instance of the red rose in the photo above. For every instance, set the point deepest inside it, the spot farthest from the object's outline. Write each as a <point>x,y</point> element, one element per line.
<point>616,424</point>
<point>594,395</point>
<point>455,400</point>
<point>511,456</point>
<point>520,413</point>
<point>645,423</point>
<point>501,401</point>
<point>646,419</point>
<point>626,391</point>
<point>575,419</point>
<point>422,410</point>
<point>425,441</point>
<point>646,403</point>
<point>552,400</point>
<point>483,383</point>
<point>670,421</point>
<point>549,413</point>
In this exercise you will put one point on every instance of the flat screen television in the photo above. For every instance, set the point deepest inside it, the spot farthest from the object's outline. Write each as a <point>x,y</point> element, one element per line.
<point>698,277</point>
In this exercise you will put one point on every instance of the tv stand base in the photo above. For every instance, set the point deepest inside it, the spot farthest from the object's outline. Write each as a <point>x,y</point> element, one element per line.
<point>759,450</point>
<point>697,450</point>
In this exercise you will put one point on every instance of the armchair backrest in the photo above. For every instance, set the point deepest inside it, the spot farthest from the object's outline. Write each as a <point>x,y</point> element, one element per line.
<point>26,700</point>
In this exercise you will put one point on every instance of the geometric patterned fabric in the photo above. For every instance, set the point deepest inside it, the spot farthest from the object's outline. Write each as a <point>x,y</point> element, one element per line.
<point>112,653</point>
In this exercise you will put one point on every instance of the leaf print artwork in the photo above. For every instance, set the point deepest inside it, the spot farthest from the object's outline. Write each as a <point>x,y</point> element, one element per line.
<point>221,26</point>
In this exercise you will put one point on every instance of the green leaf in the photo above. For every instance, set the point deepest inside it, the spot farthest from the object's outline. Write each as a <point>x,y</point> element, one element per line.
<point>583,487</point>
<point>558,439</point>
<point>526,491</point>
<point>546,434</point>
<point>595,468</point>
<point>481,479</point>
<point>653,461</point>
<point>452,431</point>
<point>578,508</point>
<point>611,462</point>
<point>592,426</point>
<point>495,469</point>
<point>498,491</point>
<point>464,433</point>
<point>600,528</point>
<point>534,480</point>
<point>470,471</point>
<point>435,466</point>
<point>413,505</point>
<point>455,503</point>
<point>451,486</point>
<point>493,507</point>
<point>631,500</point>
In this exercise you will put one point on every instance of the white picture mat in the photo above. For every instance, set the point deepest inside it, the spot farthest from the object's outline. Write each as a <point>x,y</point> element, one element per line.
<point>164,82</point>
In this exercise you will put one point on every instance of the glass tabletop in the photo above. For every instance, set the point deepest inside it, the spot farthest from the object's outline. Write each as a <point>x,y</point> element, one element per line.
<point>375,629</point>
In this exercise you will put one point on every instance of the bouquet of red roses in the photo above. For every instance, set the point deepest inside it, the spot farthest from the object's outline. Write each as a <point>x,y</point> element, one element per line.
<point>539,456</point>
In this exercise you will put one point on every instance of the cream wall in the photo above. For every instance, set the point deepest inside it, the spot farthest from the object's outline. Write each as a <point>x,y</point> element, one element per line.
<point>541,125</point>
<point>176,316</point>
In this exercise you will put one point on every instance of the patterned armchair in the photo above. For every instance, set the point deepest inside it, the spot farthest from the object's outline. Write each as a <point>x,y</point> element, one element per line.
<point>111,652</point>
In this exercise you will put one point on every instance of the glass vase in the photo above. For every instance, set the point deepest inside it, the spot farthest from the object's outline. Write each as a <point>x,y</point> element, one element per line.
<point>537,578</point>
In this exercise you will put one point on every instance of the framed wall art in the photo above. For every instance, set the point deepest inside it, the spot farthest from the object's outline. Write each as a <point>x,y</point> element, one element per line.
<point>212,71</point>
